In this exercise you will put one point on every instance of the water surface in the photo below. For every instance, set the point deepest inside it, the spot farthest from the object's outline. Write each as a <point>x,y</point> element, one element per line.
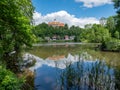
<point>58,49</point>
<point>80,68</point>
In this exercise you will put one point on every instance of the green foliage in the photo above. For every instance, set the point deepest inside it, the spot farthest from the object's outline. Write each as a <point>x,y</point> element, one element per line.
<point>117,17</point>
<point>117,4</point>
<point>15,29</point>
<point>96,34</point>
<point>43,30</point>
<point>111,24</point>
<point>91,33</point>
<point>117,35</point>
<point>77,39</point>
<point>8,81</point>
<point>111,45</point>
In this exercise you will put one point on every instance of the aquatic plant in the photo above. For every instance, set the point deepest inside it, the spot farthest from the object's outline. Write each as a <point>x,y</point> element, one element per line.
<point>87,76</point>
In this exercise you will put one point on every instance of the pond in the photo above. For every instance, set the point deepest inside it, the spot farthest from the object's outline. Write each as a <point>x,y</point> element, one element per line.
<point>75,66</point>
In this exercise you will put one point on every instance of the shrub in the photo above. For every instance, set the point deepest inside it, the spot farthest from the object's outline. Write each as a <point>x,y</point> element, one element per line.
<point>112,45</point>
<point>8,80</point>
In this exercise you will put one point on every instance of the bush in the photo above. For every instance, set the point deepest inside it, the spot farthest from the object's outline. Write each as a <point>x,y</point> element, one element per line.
<point>112,45</point>
<point>8,80</point>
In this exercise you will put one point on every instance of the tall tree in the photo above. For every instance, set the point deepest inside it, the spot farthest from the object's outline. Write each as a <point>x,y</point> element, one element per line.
<point>15,30</point>
<point>111,24</point>
<point>117,6</point>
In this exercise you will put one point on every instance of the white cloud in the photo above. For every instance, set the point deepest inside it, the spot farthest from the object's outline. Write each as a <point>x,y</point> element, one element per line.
<point>65,17</point>
<point>94,3</point>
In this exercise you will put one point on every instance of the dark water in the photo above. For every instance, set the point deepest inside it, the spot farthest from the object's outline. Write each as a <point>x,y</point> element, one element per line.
<point>96,71</point>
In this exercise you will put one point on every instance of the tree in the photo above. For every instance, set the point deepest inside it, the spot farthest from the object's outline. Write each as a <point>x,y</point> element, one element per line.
<point>87,26</point>
<point>66,27</point>
<point>111,24</point>
<point>97,34</point>
<point>117,35</point>
<point>15,30</point>
<point>117,6</point>
<point>103,21</point>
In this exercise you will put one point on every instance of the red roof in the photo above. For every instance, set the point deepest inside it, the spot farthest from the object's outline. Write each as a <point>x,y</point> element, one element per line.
<point>56,24</point>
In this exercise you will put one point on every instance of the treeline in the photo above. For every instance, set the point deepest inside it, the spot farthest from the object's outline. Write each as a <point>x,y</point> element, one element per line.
<point>107,33</point>
<point>44,30</point>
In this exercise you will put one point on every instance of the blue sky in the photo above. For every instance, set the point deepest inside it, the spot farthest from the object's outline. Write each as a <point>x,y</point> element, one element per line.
<point>77,9</point>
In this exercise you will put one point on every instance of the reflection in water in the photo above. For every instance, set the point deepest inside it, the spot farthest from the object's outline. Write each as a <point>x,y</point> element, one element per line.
<point>50,50</point>
<point>117,78</point>
<point>46,51</point>
<point>77,75</point>
<point>87,76</point>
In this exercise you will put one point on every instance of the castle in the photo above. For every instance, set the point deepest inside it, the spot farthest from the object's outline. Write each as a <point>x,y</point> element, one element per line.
<point>56,24</point>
